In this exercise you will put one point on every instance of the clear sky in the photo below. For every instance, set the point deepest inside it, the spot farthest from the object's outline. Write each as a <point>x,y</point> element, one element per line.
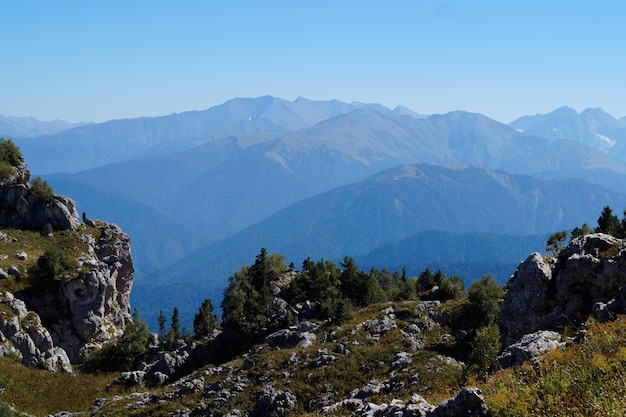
<point>101,60</point>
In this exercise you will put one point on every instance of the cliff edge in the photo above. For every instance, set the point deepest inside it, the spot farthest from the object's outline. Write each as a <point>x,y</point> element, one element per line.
<point>64,286</point>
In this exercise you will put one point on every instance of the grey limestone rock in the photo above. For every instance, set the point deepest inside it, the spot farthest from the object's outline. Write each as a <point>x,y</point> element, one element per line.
<point>468,402</point>
<point>84,312</point>
<point>273,403</point>
<point>587,275</point>
<point>302,336</point>
<point>529,348</point>
<point>20,210</point>
<point>23,334</point>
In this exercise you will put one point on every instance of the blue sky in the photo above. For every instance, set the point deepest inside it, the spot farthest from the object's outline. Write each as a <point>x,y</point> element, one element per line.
<point>96,60</point>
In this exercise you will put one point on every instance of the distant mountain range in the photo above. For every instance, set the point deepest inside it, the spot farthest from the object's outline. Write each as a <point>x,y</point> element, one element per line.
<point>201,192</point>
<point>592,127</point>
<point>28,127</point>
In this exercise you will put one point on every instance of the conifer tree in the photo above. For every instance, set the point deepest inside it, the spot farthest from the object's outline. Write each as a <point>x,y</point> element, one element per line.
<point>204,322</point>
<point>174,333</point>
<point>162,320</point>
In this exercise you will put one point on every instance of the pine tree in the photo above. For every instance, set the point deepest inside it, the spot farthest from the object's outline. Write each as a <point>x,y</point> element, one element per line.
<point>174,333</point>
<point>162,320</point>
<point>609,223</point>
<point>204,322</point>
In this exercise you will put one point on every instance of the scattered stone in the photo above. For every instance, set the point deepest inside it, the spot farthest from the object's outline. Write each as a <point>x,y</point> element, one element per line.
<point>273,403</point>
<point>400,362</point>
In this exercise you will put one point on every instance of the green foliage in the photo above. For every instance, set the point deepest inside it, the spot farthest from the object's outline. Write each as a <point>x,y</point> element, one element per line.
<point>555,242</point>
<point>483,302</point>
<point>609,223</point>
<point>123,354</point>
<point>584,379</point>
<point>485,349</point>
<point>5,411</point>
<point>319,283</point>
<point>53,264</point>
<point>9,152</point>
<point>204,322</point>
<point>248,307</point>
<point>41,191</point>
<point>174,334</point>
<point>6,171</point>
<point>451,288</point>
<point>581,231</point>
<point>161,320</point>
<point>47,230</point>
<point>427,280</point>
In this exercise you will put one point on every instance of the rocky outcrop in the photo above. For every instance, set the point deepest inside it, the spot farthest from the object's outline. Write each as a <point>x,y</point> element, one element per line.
<point>588,275</point>
<point>58,324</point>
<point>82,313</point>
<point>24,337</point>
<point>302,335</point>
<point>19,209</point>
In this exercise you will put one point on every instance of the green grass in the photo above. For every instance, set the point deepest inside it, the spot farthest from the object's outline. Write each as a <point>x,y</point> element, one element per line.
<point>68,242</point>
<point>40,393</point>
<point>587,379</point>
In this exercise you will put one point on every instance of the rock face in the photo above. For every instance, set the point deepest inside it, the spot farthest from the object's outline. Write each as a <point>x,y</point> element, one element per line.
<point>20,210</point>
<point>58,324</point>
<point>587,276</point>
<point>23,336</point>
<point>84,312</point>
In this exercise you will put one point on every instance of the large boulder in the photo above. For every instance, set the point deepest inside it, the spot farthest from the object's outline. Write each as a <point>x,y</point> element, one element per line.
<point>531,347</point>
<point>561,292</point>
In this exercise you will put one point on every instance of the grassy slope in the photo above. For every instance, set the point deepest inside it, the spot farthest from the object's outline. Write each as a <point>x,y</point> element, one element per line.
<point>581,380</point>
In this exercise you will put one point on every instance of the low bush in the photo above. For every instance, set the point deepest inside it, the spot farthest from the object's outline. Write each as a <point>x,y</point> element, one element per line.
<point>123,354</point>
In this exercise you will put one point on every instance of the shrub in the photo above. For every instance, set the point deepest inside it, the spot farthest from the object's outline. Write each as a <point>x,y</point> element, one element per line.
<point>9,152</point>
<point>46,230</point>
<point>483,306</point>
<point>51,265</point>
<point>123,354</point>
<point>451,288</point>
<point>6,411</point>
<point>41,191</point>
<point>485,349</point>
<point>6,171</point>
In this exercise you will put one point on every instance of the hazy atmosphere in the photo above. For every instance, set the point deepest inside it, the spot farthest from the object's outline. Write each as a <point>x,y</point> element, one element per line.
<point>297,208</point>
<point>96,61</point>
